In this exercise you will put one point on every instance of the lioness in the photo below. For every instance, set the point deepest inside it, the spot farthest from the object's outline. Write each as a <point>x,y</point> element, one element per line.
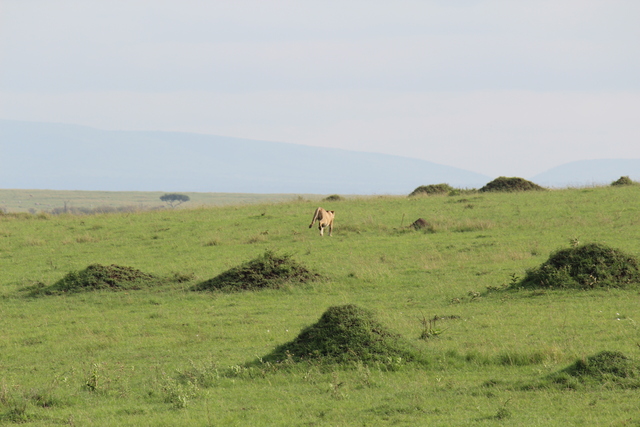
<point>325,219</point>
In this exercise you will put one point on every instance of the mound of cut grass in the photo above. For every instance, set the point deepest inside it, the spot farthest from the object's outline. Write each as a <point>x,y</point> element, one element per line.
<point>345,334</point>
<point>511,184</point>
<point>587,266</point>
<point>611,368</point>
<point>268,271</point>
<point>97,277</point>
<point>433,189</point>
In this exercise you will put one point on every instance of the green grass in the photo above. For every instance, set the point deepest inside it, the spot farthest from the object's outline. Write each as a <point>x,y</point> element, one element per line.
<point>167,355</point>
<point>36,201</point>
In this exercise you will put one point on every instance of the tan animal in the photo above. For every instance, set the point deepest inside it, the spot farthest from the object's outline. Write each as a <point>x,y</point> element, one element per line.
<point>325,219</point>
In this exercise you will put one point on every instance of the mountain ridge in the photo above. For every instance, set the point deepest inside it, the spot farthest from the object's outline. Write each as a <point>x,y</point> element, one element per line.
<point>38,155</point>
<point>73,157</point>
<point>589,172</point>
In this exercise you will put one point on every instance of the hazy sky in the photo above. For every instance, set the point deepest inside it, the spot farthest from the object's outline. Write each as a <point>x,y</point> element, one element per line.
<point>497,87</point>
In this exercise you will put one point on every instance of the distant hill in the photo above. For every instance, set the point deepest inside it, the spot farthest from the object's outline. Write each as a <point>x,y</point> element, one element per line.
<point>589,172</point>
<point>70,157</point>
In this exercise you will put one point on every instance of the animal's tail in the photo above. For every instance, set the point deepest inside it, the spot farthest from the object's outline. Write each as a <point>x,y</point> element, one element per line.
<point>315,217</point>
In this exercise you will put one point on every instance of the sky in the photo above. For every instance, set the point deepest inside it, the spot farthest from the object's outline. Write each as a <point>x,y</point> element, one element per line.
<point>499,87</point>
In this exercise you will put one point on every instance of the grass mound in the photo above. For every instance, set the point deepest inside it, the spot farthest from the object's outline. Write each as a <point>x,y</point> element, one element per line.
<point>422,224</point>
<point>97,277</point>
<point>607,367</point>
<point>587,266</point>
<point>511,184</point>
<point>433,189</point>
<point>623,180</point>
<point>269,271</point>
<point>345,334</point>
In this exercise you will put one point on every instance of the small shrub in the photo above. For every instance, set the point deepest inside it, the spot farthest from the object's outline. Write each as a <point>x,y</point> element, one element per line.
<point>584,267</point>
<point>345,334</point>
<point>511,184</point>
<point>333,198</point>
<point>269,271</point>
<point>433,189</point>
<point>623,180</point>
<point>96,277</point>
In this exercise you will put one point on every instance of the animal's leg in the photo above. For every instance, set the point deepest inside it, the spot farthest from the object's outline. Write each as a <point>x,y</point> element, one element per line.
<point>315,216</point>
<point>321,230</point>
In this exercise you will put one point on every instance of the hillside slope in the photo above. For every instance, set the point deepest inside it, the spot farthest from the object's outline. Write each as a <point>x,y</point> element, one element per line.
<point>589,172</point>
<point>69,157</point>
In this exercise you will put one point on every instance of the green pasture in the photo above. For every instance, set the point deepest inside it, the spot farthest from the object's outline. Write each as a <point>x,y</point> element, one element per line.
<point>165,355</point>
<point>36,201</point>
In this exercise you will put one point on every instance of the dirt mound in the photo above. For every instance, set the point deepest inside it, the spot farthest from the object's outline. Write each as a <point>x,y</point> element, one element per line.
<point>587,266</point>
<point>97,276</point>
<point>432,189</point>
<point>420,224</point>
<point>269,271</point>
<point>511,184</point>
<point>345,333</point>
<point>607,367</point>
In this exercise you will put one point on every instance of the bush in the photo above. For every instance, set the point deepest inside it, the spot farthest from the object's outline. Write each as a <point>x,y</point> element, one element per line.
<point>333,198</point>
<point>269,271</point>
<point>623,180</point>
<point>96,277</point>
<point>345,333</point>
<point>511,184</point>
<point>584,267</point>
<point>433,189</point>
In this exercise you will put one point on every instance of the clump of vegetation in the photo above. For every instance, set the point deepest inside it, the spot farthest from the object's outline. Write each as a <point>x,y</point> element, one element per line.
<point>95,211</point>
<point>607,367</point>
<point>97,277</point>
<point>433,189</point>
<point>511,184</point>
<point>333,198</point>
<point>174,199</point>
<point>268,271</point>
<point>586,266</point>
<point>345,334</point>
<point>422,224</point>
<point>623,180</point>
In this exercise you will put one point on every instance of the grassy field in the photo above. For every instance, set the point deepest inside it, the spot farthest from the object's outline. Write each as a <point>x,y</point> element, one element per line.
<point>49,200</point>
<point>166,355</point>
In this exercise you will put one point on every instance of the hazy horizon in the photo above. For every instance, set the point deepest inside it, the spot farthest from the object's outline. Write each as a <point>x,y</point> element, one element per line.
<point>495,87</point>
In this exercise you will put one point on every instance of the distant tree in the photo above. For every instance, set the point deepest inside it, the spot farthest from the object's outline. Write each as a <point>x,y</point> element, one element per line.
<point>174,199</point>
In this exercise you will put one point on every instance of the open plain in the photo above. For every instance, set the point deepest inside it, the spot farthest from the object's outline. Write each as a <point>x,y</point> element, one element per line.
<point>165,354</point>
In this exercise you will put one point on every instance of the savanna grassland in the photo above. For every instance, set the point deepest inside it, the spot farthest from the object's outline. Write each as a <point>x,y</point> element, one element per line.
<point>34,201</point>
<point>164,354</point>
